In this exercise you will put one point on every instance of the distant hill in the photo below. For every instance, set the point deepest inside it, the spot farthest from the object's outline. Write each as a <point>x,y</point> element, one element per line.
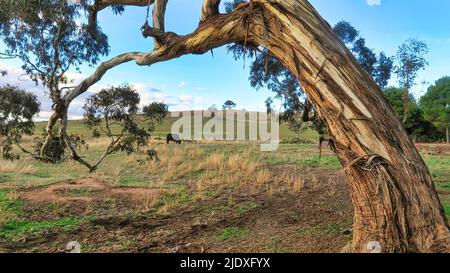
<point>77,127</point>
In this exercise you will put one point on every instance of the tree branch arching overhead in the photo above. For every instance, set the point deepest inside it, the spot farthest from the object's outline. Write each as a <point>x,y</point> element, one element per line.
<point>159,12</point>
<point>209,8</point>
<point>393,194</point>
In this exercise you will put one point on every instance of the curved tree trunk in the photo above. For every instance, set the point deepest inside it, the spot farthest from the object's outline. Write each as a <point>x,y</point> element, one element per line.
<point>394,197</point>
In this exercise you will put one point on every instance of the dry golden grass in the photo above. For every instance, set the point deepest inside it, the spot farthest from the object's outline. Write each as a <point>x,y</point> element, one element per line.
<point>27,169</point>
<point>315,181</point>
<point>204,169</point>
<point>169,205</point>
<point>110,171</point>
<point>151,201</point>
<point>7,166</point>
<point>263,177</point>
<point>190,163</point>
<point>99,143</point>
<point>291,181</point>
<point>17,167</point>
<point>212,171</point>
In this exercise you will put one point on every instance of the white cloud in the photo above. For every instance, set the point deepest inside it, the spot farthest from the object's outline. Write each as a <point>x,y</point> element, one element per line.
<point>76,78</point>
<point>43,115</point>
<point>16,76</point>
<point>186,99</point>
<point>198,100</point>
<point>149,94</point>
<point>188,102</point>
<point>374,2</point>
<point>199,88</point>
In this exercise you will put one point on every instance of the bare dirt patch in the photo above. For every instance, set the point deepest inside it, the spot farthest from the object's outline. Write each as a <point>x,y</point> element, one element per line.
<point>434,148</point>
<point>318,218</point>
<point>87,190</point>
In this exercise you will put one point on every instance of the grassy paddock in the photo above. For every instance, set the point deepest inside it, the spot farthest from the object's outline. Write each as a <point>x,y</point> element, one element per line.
<point>78,127</point>
<point>187,173</point>
<point>208,165</point>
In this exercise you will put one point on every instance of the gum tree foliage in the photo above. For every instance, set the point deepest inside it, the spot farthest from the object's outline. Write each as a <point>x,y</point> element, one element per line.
<point>379,67</point>
<point>436,105</point>
<point>115,113</point>
<point>383,70</point>
<point>267,71</point>
<point>155,112</point>
<point>269,105</point>
<point>51,37</point>
<point>228,105</point>
<point>415,123</point>
<point>410,59</point>
<point>212,110</point>
<point>17,109</point>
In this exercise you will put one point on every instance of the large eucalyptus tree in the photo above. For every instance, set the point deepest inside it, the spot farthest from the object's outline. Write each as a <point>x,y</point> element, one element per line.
<point>52,38</point>
<point>394,198</point>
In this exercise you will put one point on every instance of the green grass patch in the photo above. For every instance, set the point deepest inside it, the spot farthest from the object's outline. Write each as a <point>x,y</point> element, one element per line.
<point>246,207</point>
<point>235,233</point>
<point>9,202</point>
<point>444,187</point>
<point>17,227</point>
<point>12,226</point>
<point>41,174</point>
<point>127,181</point>
<point>439,167</point>
<point>327,229</point>
<point>179,197</point>
<point>198,173</point>
<point>10,207</point>
<point>447,209</point>
<point>173,200</point>
<point>78,127</point>
<point>5,177</point>
<point>328,162</point>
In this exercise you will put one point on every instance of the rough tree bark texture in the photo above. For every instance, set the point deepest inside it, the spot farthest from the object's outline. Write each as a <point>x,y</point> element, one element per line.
<point>394,197</point>
<point>393,194</point>
<point>159,12</point>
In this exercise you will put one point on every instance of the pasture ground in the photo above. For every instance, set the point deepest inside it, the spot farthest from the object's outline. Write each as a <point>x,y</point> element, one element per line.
<point>206,197</point>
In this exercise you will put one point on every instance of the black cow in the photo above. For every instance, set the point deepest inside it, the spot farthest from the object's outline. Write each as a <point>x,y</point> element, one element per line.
<point>173,137</point>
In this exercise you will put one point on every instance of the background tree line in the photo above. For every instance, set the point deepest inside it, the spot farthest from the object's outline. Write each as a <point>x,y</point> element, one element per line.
<point>426,119</point>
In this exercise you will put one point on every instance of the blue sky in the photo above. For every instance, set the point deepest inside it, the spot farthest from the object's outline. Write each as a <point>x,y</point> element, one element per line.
<point>196,82</point>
